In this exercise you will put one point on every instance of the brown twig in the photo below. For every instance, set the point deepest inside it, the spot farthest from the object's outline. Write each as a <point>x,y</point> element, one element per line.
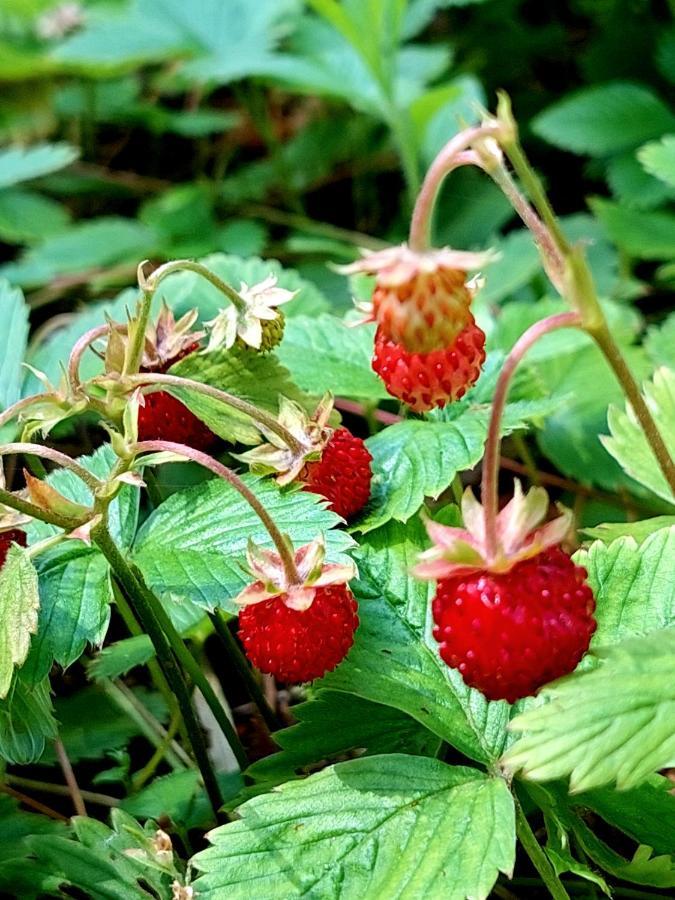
<point>69,775</point>
<point>33,804</point>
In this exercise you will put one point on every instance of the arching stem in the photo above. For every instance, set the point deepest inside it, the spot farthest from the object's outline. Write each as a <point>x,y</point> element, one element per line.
<point>152,282</point>
<point>490,475</point>
<point>265,419</point>
<point>25,403</point>
<point>203,459</point>
<point>55,456</point>
<point>82,345</point>
<point>450,157</point>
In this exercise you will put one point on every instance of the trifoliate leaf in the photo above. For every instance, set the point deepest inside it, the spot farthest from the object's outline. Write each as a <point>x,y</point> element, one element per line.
<point>19,604</point>
<point>598,734</point>
<point>628,444</point>
<point>384,826</point>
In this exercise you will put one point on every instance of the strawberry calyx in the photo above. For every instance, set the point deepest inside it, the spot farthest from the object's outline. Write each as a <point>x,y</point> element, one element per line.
<point>312,433</point>
<point>271,578</point>
<point>520,536</point>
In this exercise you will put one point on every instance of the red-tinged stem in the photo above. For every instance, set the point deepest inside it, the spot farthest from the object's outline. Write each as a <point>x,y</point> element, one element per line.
<point>450,157</point>
<point>54,456</point>
<point>203,459</point>
<point>152,282</point>
<point>82,345</point>
<point>492,445</point>
<point>37,512</point>
<point>69,775</point>
<point>266,420</point>
<point>16,408</point>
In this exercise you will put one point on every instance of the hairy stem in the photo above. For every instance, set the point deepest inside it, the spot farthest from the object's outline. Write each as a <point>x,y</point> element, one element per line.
<point>265,419</point>
<point>492,445</point>
<point>189,265</point>
<point>449,158</point>
<point>82,345</point>
<point>243,668</point>
<point>17,408</point>
<point>203,459</point>
<point>537,856</point>
<point>55,456</point>
<point>37,512</point>
<point>136,596</point>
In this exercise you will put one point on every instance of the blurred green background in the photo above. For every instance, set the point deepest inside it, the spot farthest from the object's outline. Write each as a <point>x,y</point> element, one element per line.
<point>164,128</point>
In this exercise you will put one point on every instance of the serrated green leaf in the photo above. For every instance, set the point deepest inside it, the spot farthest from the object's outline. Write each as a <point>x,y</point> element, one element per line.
<point>19,604</point>
<point>202,560</point>
<point>394,659</point>
<point>23,164</point>
<point>634,586</point>
<point>660,343</point>
<point>17,870</point>
<point>26,721</point>
<point>658,158</point>
<point>118,658</point>
<point>585,122</point>
<point>633,185</point>
<point>333,724</point>
<point>258,378</point>
<point>639,531</point>
<point>597,734</point>
<point>367,828</point>
<point>325,354</point>
<point>181,796</point>
<point>13,338</point>
<point>628,444</point>
<point>644,235</point>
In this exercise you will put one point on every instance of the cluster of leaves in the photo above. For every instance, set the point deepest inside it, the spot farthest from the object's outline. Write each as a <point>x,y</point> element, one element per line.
<point>275,101</point>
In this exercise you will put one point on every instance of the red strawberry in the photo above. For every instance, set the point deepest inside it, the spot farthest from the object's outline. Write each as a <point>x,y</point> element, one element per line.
<point>163,417</point>
<point>508,634</point>
<point>428,380</point>
<point>300,645</point>
<point>9,537</point>
<point>343,473</point>
<point>298,620</point>
<point>421,299</point>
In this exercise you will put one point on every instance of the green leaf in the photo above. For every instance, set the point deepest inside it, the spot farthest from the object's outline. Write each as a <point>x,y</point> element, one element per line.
<point>324,354</point>
<point>658,158</point>
<point>660,343</point>
<point>639,531</point>
<point>417,459</point>
<point>394,659</point>
<point>28,217</point>
<point>118,863</point>
<point>379,827</point>
<point>646,813</point>
<point>634,586</point>
<point>181,797</point>
<point>93,244</point>
<point>202,560</point>
<point>597,734</point>
<point>334,724</point>
<point>635,187</point>
<point>258,378</point>
<point>119,658</point>
<point>628,444</point>
<point>19,603</point>
<point>644,235</point>
<point>26,721</point>
<point>586,122</point>
<point>187,290</point>
<point>18,877</point>
<point>13,338</point>
<point>19,164</point>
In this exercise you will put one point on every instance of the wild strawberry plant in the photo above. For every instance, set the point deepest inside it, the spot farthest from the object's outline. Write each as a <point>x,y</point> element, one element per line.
<point>485,693</point>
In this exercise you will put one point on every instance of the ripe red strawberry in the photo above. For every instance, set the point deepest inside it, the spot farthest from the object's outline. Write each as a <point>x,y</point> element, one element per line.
<point>508,634</point>
<point>343,473</point>
<point>511,613</point>
<point>163,417</point>
<point>300,645</point>
<point>428,380</point>
<point>421,299</point>
<point>9,537</point>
